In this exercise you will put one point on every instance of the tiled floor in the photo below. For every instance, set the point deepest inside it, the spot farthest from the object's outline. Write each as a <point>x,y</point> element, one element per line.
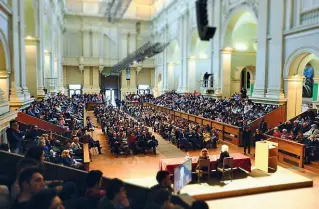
<point>146,166</point>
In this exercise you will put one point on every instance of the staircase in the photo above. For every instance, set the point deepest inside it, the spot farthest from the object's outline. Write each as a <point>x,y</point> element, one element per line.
<point>313,167</point>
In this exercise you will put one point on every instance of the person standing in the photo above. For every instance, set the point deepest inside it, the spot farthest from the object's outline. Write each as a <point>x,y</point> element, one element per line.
<point>246,139</point>
<point>14,137</point>
<point>263,126</point>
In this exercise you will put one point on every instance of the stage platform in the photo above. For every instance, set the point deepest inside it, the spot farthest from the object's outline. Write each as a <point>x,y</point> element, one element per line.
<point>243,184</point>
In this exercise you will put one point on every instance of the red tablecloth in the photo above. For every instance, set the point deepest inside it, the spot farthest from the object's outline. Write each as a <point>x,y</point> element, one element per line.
<point>240,161</point>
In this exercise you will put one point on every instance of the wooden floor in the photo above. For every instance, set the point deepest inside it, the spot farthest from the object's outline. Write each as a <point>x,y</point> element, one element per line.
<point>135,168</point>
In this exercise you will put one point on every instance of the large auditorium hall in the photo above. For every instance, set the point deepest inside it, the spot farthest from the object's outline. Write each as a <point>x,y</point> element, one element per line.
<point>159,104</point>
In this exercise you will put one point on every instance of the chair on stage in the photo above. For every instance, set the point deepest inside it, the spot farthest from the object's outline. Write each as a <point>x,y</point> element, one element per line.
<point>227,168</point>
<point>203,167</point>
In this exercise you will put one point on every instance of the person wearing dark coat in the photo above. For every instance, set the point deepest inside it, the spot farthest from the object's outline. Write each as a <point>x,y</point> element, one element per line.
<point>14,137</point>
<point>224,153</point>
<point>258,136</point>
<point>246,139</point>
<point>263,126</point>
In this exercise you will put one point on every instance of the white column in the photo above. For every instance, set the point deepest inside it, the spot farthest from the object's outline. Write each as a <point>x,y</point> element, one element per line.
<point>22,51</point>
<point>86,44</point>
<point>262,51</point>
<point>96,80</point>
<point>192,82</point>
<point>216,47</point>
<point>40,49</point>
<point>164,63</point>
<point>226,66</point>
<point>275,58</point>
<point>16,95</point>
<point>185,35</point>
<point>294,95</point>
<point>86,80</point>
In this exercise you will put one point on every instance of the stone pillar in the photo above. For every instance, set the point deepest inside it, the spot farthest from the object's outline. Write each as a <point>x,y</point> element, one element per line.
<point>226,71</point>
<point>17,98</point>
<point>192,83</point>
<point>164,63</point>
<point>262,52</point>
<point>22,51</point>
<point>275,59</point>
<point>216,58</point>
<point>294,95</point>
<point>86,80</point>
<point>31,64</point>
<point>96,80</point>
<point>86,44</point>
<point>170,77</point>
<point>40,50</point>
<point>185,42</point>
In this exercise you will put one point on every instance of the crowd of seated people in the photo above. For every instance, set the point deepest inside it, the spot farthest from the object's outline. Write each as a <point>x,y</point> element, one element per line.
<point>178,130</point>
<point>124,134</point>
<point>53,150</point>
<point>233,110</point>
<point>29,189</point>
<point>303,130</point>
<point>139,97</point>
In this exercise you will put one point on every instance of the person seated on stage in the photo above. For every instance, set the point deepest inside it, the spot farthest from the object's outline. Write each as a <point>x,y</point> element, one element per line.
<point>224,153</point>
<point>203,156</point>
<point>164,182</point>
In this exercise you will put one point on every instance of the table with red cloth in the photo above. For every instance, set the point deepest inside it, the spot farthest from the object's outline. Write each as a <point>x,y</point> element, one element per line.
<point>239,161</point>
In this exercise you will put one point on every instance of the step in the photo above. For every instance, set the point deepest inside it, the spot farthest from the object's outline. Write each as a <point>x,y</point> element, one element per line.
<point>315,163</point>
<point>311,168</point>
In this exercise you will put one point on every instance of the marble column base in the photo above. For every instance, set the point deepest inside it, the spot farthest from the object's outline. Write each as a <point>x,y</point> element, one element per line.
<point>40,93</point>
<point>275,95</point>
<point>5,118</point>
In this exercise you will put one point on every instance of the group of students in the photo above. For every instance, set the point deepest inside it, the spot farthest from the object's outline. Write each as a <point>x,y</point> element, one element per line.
<point>303,130</point>
<point>234,110</point>
<point>124,134</point>
<point>181,132</point>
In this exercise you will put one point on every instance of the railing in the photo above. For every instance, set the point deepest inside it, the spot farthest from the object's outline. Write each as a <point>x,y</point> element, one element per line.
<point>227,132</point>
<point>290,152</point>
<point>272,118</point>
<point>42,124</point>
<point>58,172</point>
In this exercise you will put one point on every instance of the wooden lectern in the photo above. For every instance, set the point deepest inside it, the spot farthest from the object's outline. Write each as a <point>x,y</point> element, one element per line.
<point>266,155</point>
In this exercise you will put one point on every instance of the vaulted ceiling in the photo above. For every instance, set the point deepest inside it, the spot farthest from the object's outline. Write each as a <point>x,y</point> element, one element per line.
<point>117,9</point>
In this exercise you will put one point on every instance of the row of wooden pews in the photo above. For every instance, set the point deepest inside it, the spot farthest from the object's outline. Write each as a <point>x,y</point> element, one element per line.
<point>228,133</point>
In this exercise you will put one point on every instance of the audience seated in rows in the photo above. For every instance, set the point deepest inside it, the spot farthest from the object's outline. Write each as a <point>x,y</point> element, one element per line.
<point>303,130</point>
<point>179,131</point>
<point>233,111</point>
<point>124,134</point>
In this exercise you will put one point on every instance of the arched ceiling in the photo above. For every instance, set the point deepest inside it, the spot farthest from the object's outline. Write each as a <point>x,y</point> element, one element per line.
<point>241,32</point>
<point>126,9</point>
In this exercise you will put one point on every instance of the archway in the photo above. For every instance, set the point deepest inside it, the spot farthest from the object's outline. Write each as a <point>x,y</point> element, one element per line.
<point>173,78</point>
<point>301,80</point>
<point>239,48</point>
<point>198,62</point>
<point>4,68</point>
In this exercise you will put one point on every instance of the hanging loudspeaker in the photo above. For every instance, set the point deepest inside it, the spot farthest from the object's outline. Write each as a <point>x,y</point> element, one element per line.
<point>205,32</point>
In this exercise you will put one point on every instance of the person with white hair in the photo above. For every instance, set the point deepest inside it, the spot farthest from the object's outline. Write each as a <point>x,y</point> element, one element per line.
<point>313,131</point>
<point>224,153</point>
